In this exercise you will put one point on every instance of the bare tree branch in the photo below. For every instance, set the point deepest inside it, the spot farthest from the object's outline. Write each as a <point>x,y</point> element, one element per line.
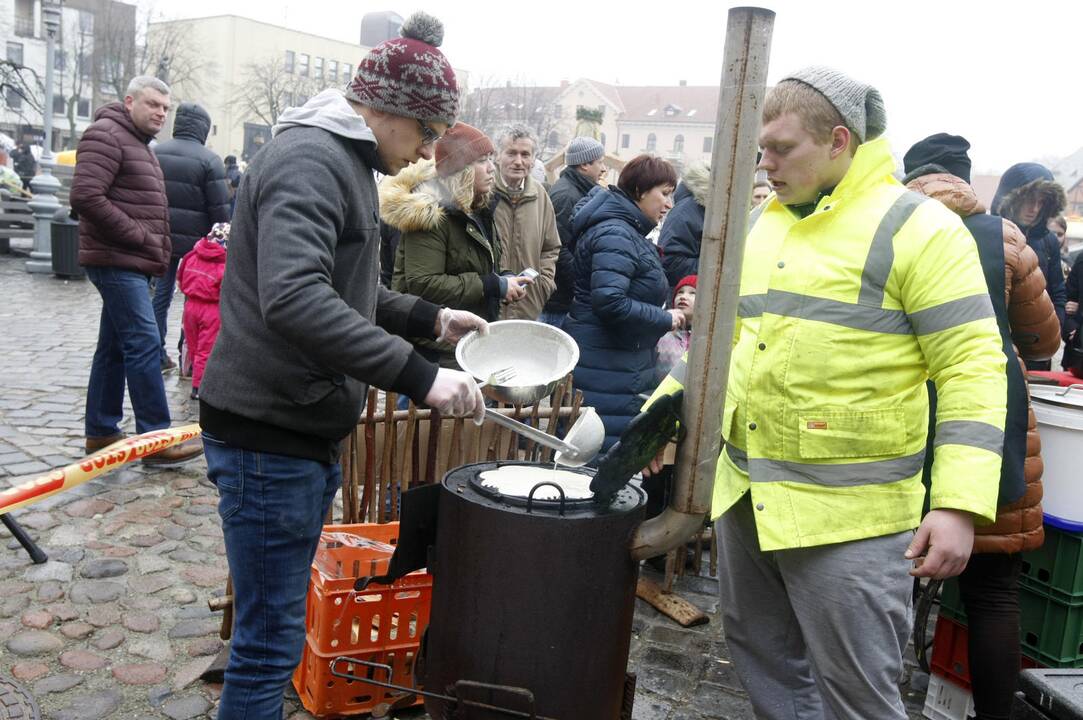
<point>492,105</point>
<point>267,88</point>
<point>25,83</point>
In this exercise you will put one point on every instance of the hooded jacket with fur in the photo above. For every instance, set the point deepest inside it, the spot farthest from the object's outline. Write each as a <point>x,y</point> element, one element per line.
<point>1018,183</point>
<point>444,255</point>
<point>1034,331</point>
<point>682,231</point>
<point>306,325</point>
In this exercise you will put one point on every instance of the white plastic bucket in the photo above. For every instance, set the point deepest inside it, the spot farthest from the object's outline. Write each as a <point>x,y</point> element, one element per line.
<point>1059,412</point>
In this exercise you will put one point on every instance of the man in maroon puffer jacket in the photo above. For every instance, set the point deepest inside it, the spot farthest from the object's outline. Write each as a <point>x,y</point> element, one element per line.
<point>119,194</point>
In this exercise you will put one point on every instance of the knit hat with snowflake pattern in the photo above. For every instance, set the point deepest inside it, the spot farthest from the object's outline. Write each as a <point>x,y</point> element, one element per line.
<point>409,76</point>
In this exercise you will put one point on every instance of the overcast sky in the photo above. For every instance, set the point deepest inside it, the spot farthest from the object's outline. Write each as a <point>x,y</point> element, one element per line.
<point>997,73</point>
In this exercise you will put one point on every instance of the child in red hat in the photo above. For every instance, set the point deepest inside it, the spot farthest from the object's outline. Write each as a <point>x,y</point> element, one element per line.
<point>674,344</point>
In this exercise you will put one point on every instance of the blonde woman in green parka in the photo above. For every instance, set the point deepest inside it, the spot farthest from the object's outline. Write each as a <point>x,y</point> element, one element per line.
<point>449,253</point>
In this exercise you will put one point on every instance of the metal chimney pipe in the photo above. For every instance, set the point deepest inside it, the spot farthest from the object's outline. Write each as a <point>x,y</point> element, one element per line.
<point>744,85</point>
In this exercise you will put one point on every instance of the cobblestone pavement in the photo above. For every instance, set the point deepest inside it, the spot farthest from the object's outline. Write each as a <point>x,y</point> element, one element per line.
<point>116,624</point>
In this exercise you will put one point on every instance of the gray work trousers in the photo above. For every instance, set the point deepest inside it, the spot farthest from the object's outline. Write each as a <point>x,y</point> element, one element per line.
<point>815,633</point>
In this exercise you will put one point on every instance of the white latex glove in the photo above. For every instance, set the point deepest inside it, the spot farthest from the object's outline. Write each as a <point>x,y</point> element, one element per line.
<point>677,319</point>
<point>454,324</point>
<point>456,394</point>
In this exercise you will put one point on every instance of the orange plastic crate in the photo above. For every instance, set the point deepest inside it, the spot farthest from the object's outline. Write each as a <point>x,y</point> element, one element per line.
<point>325,695</point>
<point>382,623</point>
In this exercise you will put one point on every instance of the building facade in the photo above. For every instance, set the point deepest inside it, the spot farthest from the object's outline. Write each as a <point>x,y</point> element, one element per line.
<point>92,33</point>
<point>675,122</point>
<point>246,72</point>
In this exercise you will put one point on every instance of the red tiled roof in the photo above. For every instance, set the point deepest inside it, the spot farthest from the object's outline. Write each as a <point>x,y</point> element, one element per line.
<point>640,103</point>
<point>677,104</point>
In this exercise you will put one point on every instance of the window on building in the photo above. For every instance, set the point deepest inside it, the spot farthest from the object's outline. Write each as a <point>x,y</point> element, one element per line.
<point>553,140</point>
<point>678,144</point>
<point>602,139</point>
<point>302,64</point>
<point>13,99</point>
<point>15,52</point>
<point>86,22</point>
<point>58,105</point>
<point>24,18</point>
<point>347,72</point>
<point>708,144</point>
<point>332,70</point>
<point>290,60</point>
<point>82,108</point>
<point>317,68</point>
<point>625,140</point>
<point>652,142</point>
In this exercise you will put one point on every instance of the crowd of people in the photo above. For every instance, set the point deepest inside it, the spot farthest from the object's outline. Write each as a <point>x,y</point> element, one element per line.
<point>876,366</point>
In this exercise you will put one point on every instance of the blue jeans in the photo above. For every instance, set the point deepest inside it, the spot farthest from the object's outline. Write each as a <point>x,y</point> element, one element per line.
<point>163,297</point>
<point>272,509</point>
<point>554,319</point>
<point>128,349</point>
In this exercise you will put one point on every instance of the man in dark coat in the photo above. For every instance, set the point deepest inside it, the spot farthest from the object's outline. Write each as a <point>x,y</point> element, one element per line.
<point>233,180</point>
<point>195,184</point>
<point>682,232</point>
<point>1028,196</point>
<point>119,194</point>
<point>306,327</point>
<point>25,164</point>
<point>585,164</point>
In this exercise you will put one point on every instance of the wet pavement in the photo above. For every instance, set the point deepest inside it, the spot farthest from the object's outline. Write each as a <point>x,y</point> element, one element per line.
<point>116,624</point>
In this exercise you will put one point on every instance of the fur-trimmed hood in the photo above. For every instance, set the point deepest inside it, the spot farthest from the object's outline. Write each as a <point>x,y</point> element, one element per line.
<point>416,199</point>
<point>1021,181</point>
<point>697,178</point>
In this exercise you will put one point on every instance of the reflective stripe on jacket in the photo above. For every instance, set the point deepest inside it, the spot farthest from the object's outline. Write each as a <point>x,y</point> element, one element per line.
<point>843,315</point>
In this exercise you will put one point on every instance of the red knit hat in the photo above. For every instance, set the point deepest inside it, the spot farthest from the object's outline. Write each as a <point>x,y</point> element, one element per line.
<point>409,76</point>
<point>460,146</point>
<point>686,280</point>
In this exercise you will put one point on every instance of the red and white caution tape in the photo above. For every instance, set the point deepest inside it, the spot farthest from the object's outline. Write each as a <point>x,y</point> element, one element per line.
<point>104,461</point>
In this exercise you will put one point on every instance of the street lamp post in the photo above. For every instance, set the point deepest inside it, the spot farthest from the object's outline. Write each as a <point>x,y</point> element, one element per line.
<point>45,185</point>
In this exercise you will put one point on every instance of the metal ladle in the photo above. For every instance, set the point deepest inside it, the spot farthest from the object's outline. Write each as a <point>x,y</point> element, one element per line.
<point>581,444</point>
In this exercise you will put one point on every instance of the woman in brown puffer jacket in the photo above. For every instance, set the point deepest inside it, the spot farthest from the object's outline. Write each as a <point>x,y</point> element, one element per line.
<point>939,167</point>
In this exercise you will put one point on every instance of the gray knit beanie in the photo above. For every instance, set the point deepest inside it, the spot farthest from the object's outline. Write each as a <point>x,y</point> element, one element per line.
<point>859,104</point>
<point>583,150</point>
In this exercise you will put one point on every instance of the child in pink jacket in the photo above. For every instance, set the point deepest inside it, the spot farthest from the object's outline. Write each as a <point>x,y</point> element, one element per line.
<point>200,279</point>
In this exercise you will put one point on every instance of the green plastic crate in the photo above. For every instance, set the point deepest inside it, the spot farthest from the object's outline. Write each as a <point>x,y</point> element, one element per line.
<point>1051,631</point>
<point>951,601</point>
<point>1056,568</point>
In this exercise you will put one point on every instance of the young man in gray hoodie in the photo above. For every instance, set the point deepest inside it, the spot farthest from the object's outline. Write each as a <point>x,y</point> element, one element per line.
<point>306,326</point>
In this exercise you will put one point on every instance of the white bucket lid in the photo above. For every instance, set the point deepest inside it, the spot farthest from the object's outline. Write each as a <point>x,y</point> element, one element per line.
<point>1058,406</point>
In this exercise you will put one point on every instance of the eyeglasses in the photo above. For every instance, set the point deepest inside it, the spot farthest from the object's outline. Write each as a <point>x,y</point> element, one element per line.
<point>428,135</point>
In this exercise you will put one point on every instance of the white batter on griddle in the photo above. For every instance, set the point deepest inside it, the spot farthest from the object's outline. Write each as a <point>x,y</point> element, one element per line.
<point>516,480</point>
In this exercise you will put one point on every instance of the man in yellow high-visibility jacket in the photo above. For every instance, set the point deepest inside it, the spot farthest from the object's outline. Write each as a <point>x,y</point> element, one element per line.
<point>854,292</point>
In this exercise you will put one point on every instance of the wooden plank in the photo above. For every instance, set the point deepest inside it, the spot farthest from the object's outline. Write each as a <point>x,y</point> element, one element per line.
<point>670,604</point>
<point>385,466</point>
<point>370,456</point>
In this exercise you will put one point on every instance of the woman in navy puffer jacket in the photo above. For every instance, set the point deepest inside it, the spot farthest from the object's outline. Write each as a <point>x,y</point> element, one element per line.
<point>616,315</point>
